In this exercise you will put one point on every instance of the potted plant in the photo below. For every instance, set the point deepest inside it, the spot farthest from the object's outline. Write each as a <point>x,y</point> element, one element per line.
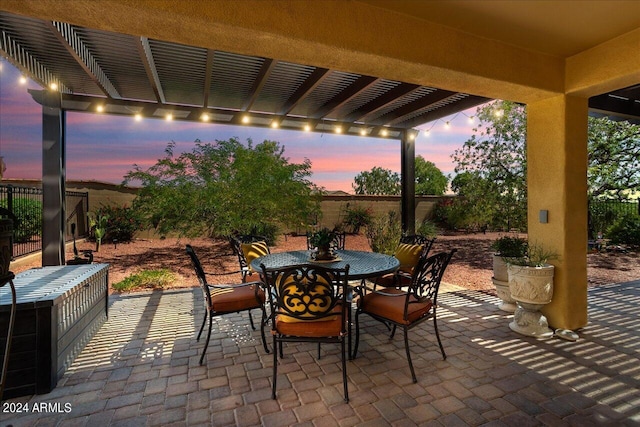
<point>506,247</point>
<point>321,240</point>
<point>531,286</point>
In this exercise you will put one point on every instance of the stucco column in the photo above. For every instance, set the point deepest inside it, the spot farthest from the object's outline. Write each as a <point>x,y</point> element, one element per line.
<point>556,176</point>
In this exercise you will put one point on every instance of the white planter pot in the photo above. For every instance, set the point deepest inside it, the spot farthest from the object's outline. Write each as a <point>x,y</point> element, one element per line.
<point>501,282</point>
<point>532,288</point>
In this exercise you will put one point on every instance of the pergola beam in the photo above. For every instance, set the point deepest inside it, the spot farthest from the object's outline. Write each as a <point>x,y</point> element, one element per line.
<point>146,55</point>
<point>66,34</point>
<point>316,77</point>
<point>381,102</point>
<point>357,87</point>
<point>259,82</point>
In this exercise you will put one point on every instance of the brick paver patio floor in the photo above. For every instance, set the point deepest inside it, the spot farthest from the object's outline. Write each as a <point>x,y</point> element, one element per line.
<point>141,369</point>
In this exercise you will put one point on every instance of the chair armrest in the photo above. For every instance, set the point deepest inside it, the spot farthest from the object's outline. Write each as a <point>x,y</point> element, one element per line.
<point>387,294</point>
<point>226,273</point>
<point>233,285</point>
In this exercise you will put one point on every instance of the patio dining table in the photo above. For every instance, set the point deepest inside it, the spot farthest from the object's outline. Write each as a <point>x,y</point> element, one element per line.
<point>362,264</point>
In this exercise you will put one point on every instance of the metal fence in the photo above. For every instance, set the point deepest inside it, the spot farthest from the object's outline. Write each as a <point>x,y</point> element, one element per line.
<point>26,205</point>
<point>619,207</point>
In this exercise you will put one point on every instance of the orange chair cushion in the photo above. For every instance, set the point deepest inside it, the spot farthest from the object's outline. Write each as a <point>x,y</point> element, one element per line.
<point>392,307</point>
<point>317,328</point>
<point>408,255</point>
<point>254,250</point>
<point>236,298</point>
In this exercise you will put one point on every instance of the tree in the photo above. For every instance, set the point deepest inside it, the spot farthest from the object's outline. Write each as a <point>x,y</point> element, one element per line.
<point>378,181</point>
<point>614,158</point>
<point>495,160</point>
<point>225,187</point>
<point>429,179</point>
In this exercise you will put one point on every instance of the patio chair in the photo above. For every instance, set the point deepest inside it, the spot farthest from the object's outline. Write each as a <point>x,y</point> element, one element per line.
<point>247,247</point>
<point>228,298</point>
<point>308,304</point>
<point>407,308</point>
<point>409,251</point>
<point>337,244</point>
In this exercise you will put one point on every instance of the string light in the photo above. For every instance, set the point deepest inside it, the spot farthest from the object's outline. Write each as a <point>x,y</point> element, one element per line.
<point>204,117</point>
<point>472,119</point>
<point>447,125</point>
<point>384,132</point>
<point>168,117</point>
<point>499,112</point>
<point>138,117</point>
<point>307,128</point>
<point>363,132</point>
<point>23,80</point>
<point>245,119</point>
<point>275,124</point>
<point>53,86</point>
<point>338,129</point>
<point>99,108</point>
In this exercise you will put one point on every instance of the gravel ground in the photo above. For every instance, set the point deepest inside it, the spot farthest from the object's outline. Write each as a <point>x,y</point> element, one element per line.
<point>470,268</point>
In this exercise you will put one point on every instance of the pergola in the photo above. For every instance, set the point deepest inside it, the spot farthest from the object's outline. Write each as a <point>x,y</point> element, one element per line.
<point>357,66</point>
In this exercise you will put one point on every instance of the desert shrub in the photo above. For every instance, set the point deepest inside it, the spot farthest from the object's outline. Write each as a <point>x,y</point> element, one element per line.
<point>29,215</point>
<point>147,279</point>
<point>625,230</point>
<point>357,217</point>
<point>427,228</point>
<point>122,222</point>
<point>384,233</point>
<point>268,230</point>
<point>451,214</point>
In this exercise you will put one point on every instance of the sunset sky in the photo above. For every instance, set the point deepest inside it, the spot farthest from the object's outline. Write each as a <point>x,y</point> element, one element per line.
<point>104,147</point>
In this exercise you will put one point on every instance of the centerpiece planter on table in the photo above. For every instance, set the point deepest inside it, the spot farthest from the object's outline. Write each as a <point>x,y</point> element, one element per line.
<point>506,247</point>
<point>531,286</point>
<point>322,240</point>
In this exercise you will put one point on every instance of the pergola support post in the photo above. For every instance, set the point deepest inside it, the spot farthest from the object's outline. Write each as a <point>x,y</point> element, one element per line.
<point>53,178</point>
<point>408,182</point>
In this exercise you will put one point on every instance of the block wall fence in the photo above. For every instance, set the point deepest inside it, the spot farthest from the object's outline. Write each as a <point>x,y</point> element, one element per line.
<point>333,205</point>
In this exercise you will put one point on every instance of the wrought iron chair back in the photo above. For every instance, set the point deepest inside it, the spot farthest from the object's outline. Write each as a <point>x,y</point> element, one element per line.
<point>417,239</point>
<point>236,243</point>
<point>308,304</point>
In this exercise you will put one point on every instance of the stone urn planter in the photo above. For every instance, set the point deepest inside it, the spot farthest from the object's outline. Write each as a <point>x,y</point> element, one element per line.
<point>532,288</point>
<point>510,246</point>
<point>501,282</point>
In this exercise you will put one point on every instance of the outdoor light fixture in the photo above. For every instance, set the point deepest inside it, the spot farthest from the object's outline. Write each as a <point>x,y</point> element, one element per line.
<point>472,119</point>
<point>138,117</point>
<point>338,129</point>
<point>23,80</point>
<point>53,86</point>
<point>307,128</point>
<point>204,117</point>
<point>447,125</point>
<point>384,132</point>
<point>245,119</point>
<point>275,124</point>
<point>363,132</point>
<point>99,108</point>
<point>499,113</point>
<point>168,117</point>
